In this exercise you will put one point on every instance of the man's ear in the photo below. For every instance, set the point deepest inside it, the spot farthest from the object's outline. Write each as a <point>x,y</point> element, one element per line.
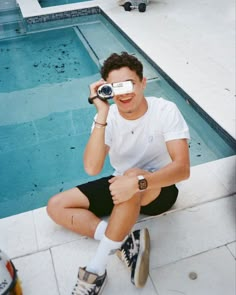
<point>144,82</point>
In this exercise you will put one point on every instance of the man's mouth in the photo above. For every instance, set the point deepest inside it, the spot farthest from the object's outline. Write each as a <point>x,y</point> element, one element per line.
<point>126,99</point>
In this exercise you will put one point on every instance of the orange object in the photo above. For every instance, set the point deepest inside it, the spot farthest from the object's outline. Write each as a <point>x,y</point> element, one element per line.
<point>9,281</point>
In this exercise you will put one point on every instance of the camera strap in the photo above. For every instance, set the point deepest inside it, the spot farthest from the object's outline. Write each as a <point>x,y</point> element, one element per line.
<point>90,99</point>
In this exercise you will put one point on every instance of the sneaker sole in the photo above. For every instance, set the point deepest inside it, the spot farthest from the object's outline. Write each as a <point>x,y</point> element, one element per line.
<point>142,265</point>
<point>103,285</point>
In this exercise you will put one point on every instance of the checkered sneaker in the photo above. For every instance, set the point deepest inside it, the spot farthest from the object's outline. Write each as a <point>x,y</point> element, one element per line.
<point>89,283</point>
<point>134,252</point>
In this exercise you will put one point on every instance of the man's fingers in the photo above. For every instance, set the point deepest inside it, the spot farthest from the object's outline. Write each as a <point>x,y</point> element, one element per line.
<point>115,202</point>
<point>112,179</point>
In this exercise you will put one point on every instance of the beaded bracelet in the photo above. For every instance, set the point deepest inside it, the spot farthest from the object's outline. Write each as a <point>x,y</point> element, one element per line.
<point>100,125</point>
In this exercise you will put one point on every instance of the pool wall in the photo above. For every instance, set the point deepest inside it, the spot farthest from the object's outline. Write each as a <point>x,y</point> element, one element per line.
<point>32,8</point>
<point>62,15</point>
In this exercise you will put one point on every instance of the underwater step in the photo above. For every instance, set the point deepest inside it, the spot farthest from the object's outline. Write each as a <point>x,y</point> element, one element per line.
<point>7,4</point>
<point>105,42</point>
<point>10,15</point>
<point>10,30</point>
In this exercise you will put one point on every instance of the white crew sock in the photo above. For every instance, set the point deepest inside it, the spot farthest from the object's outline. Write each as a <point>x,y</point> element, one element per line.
<point>99,262</point>
<point>100,230</point>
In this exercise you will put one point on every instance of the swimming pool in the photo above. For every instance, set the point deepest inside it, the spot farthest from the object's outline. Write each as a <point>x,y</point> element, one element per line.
<point>49,3</point>
<point>45,117</point>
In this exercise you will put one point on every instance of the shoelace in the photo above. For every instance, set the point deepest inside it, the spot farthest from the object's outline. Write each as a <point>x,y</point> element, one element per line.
<point>83,288</point>
<point>130,252</point>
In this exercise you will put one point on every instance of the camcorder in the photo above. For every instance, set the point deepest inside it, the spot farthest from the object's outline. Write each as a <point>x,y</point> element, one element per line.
<point>108,91</point>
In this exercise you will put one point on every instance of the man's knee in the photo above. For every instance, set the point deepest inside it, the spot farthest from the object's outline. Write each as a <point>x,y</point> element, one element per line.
<point>135,201</point>
<point>53,206</point>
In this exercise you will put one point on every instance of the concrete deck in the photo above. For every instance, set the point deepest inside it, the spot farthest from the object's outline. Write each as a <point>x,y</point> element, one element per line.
<point>193,42</point>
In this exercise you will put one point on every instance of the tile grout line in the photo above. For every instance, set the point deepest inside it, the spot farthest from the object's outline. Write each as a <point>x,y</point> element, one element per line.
<point>194,255</point>
<point>54,270</point>
<point>35,231</point>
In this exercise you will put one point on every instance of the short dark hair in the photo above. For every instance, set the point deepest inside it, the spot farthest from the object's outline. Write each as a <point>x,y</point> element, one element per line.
<point>116,61</point>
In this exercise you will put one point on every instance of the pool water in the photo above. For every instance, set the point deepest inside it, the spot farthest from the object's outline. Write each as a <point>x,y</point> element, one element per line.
<point>56,61</point>
<point>45,117</point>
<point>49,3</point>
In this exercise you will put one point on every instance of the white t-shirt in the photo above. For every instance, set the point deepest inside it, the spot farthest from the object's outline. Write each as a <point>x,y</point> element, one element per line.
<point>141,143</point>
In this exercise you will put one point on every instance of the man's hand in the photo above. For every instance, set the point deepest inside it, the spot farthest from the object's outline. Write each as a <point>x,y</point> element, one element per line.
<point>101,106</point>
<point>123,188</point>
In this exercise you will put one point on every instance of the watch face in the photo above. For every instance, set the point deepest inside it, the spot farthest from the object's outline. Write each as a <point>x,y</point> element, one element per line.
<point>142,184</point>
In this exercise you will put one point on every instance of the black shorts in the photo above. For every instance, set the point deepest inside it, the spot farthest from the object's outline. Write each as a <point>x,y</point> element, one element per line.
<point>101,203</point>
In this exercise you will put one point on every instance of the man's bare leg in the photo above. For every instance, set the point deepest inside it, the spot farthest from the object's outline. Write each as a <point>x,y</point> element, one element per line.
<point>121,221</point>
<point>70,210</point>
<point>123,218</point>
<point>135,249</point>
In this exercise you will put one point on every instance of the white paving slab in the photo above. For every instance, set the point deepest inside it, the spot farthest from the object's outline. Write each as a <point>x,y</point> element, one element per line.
<point>212,272</point>
<point>37,274</point>
<point>191,231</point>
<point>225,172</point>
<point>203,185</point>
<point>49,233</point>
<point>68,257</point>
<point>18,234</point>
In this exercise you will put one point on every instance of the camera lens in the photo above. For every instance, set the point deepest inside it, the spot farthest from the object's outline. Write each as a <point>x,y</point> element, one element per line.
<point>106,90</point>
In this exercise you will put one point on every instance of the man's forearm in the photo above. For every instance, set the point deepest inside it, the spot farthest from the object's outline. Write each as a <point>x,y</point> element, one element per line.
<point>95,152</point>
<point>171,174</point>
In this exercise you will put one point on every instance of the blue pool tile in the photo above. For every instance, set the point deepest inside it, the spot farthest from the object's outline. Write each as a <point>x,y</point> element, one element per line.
<point>54,126</point>
<point>42,170</point>
<point>83,119</point>
<point>13,137</point>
